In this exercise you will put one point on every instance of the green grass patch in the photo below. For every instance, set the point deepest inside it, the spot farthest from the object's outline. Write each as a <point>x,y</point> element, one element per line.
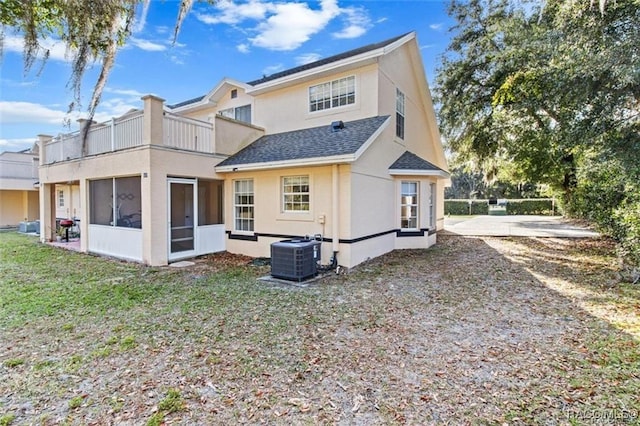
<point>76,402</point>
<point>172,402</point>
<point>7,419</point>
<point>14,362</point>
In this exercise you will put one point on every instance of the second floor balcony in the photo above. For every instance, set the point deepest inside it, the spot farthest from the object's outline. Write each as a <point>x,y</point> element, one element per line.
<point>151,126</point>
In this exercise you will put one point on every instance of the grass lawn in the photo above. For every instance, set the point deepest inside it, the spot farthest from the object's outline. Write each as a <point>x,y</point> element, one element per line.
<point>473,330</point>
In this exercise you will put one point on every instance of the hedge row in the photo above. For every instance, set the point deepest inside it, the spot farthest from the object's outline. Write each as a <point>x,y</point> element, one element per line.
<point>531,207</point>
<point>520,207</point>
<point>461,207</point>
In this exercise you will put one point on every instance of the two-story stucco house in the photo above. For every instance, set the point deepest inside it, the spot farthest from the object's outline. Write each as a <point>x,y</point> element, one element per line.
<point>346,148</point>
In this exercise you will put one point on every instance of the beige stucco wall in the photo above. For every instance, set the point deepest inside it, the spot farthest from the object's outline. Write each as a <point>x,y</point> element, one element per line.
<point>231,136</point>
<point>287,109</point>
<point>18,206</point>
<point>398,70</point>
<point>269,217</point>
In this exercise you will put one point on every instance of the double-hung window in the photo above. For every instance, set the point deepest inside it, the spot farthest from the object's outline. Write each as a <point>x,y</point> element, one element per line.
<point>399,114</point>
<point>332,94</point>
<point>409,205</point>
<point>243,206</point>
<point>295,193</point>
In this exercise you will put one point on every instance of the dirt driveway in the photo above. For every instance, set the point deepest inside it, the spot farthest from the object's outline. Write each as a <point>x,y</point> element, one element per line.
<point>516,226</point>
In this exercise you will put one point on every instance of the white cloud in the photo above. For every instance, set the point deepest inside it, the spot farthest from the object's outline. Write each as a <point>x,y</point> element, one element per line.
<point>285,25</point>
<point>272,69</point>
<point>176,60</point>
<point>126,92</point>
<point>243,48</point>
<point>12,112</point>
<point>19,112</point>
<point>15,145</point>
<point>357,22</point>
<point>307,58</point>
<point>162,29</point>
<point>292,24</point>
<point>57,49</point>
<point>147,45</point>
<point>436,27</point>
<point>232,13</point>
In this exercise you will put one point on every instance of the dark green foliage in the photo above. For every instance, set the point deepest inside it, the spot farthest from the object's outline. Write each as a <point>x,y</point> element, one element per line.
<point>461,207</point>
<point>548,92</point>
<point>531,207</point>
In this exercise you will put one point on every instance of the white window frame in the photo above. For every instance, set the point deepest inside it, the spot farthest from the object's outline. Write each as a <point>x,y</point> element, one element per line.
<point>233,113</point>
<point>243,188</point>
<point>400,113</point>
<point>294,194</point>
<point>60,198</point>
<point>331,94</point>
<point>432,206</point>
<point>405,219</point>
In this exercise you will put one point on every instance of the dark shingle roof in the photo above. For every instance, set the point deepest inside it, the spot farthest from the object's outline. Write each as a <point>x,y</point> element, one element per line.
<point>325,61</point>
<point>305,67</point>
<point>309,143</point>
<point>410,161</point>
<point>187,102</point>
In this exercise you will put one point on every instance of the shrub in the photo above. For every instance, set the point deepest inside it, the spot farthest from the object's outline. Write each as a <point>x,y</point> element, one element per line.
<point>461,207</point>
<point>530,207</point>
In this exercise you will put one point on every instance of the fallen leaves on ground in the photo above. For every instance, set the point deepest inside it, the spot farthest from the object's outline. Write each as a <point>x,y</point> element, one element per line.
<point>502,331</point>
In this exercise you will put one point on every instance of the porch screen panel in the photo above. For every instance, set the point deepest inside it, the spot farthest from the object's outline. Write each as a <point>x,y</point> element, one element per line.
<point>128,202</point>
<point>101,202</point>
<point>209,202</point>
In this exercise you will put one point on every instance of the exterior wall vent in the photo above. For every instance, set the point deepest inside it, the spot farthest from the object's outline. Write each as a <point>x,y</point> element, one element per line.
<point>295,260</point>
<point>337,125</point>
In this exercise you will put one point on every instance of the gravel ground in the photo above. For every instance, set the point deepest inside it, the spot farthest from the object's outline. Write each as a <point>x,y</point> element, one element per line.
<point>472,331</point>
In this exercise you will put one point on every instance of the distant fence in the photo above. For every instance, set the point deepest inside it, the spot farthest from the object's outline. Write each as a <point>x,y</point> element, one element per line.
<point>529,206</point>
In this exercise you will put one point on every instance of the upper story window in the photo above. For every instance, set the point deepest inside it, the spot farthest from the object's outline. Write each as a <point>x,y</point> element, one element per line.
<point>332,94</point>
<point>234,93</point>
<point>241,113</point>
<point>295,193</point>
<point>399,114</point>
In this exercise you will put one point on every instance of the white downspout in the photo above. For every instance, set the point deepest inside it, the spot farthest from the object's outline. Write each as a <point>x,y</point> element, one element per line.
<point>335,209</point>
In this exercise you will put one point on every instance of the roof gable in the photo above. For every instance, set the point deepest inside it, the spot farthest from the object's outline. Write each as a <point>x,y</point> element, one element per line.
<point>310,67</point>
<point>313,145</point>
<point>410,164</point>
<point>328,60</point>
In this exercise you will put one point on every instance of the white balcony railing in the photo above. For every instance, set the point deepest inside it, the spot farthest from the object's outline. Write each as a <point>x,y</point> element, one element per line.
<point>14,169</point>
<point>188,134</point>
<point>128,132</point>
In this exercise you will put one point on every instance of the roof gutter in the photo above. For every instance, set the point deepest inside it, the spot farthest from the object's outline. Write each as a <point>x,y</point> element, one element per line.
<point>441,174</point>
<point>300,162</point>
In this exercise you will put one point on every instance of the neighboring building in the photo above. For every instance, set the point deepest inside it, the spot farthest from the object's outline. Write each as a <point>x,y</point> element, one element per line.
<point>18,187</point>
<point>346,148</point>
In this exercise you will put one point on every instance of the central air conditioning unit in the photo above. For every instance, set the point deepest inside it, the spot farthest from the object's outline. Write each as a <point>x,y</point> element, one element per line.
<point>295,260</point>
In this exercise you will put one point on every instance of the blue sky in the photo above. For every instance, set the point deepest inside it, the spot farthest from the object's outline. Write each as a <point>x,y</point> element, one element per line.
<point>243,40</point>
